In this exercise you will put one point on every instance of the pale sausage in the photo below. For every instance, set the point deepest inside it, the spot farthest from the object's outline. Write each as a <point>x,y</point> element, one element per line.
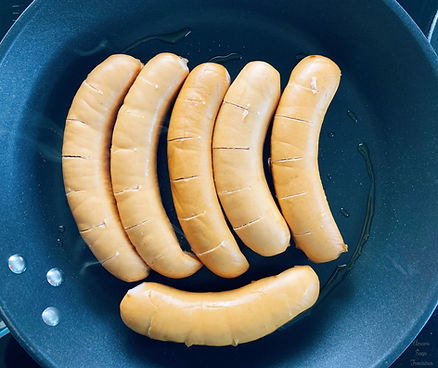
<point>220,318</point>
<point>134,166</point>
<point>294,154</point>
<point>191,175</point>
<point>238,139</point>
<point>85,165</point>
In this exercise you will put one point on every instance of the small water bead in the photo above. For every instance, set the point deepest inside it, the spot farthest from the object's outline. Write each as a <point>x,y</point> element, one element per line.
<point>99,47</point>
<point>331,135</point>
<point>59,242</point>
<point>171,38</point>
<point>329,177</point>
<point>352,116</point>
<point>344,212</point>
<point>61,229</point>
<point>51,316</point>
<point>220,59</point>
<point>17,264</point>
<point>363,149</point>
<point>55,276</point>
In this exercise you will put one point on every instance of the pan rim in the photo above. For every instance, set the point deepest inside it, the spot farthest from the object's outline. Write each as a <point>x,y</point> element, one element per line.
<point>426,51</point>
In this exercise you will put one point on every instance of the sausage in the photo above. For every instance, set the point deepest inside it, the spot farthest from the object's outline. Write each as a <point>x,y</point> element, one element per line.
<point>220,318</point>
<point>238,138</point>
<point>294,156</point>
<point>85,165</point>
<point>191,175</point>
<point>134,166</point>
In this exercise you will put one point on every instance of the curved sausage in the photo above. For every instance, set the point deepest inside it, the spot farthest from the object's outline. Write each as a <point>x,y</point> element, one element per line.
<point>191,174</point>
<point>220,318</point>
<point>134,166</point>
<point>238,139</point>
<point>85,165</point>
<point>294,154</point>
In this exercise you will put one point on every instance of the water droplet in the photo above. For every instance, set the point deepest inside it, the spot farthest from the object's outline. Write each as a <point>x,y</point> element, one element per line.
<point>87,265</point>
<point>101,46</point>
<point>331,135</point>
<point>156,86</point>
<point>50,316</point>
<point>220,59</point>
<point>171,38</point>
<point>59,242</point>
<point>344,212</point>
<point>352,116</point>
<point>55,276</point>
<point>329,177</point>
<point>17,264</point>
<point>61,228</point>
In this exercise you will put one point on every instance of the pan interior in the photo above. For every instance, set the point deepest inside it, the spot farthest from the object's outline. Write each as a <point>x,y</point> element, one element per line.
<point>384,100</point>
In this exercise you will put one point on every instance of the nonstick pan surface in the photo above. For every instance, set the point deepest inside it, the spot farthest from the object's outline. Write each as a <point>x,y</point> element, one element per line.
<point>387,100</point>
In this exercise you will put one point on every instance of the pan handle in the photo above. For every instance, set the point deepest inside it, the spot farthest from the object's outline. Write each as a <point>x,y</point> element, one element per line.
<point>3,329</point>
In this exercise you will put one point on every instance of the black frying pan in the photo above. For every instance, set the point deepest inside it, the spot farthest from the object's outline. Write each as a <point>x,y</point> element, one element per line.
<point>389,89</point>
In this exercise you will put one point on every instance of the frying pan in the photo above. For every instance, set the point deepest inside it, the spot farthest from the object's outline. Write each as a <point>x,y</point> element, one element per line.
<point>387,99</point>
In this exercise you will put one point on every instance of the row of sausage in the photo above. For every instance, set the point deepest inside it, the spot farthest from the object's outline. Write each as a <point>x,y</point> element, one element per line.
<point>215,145</point>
